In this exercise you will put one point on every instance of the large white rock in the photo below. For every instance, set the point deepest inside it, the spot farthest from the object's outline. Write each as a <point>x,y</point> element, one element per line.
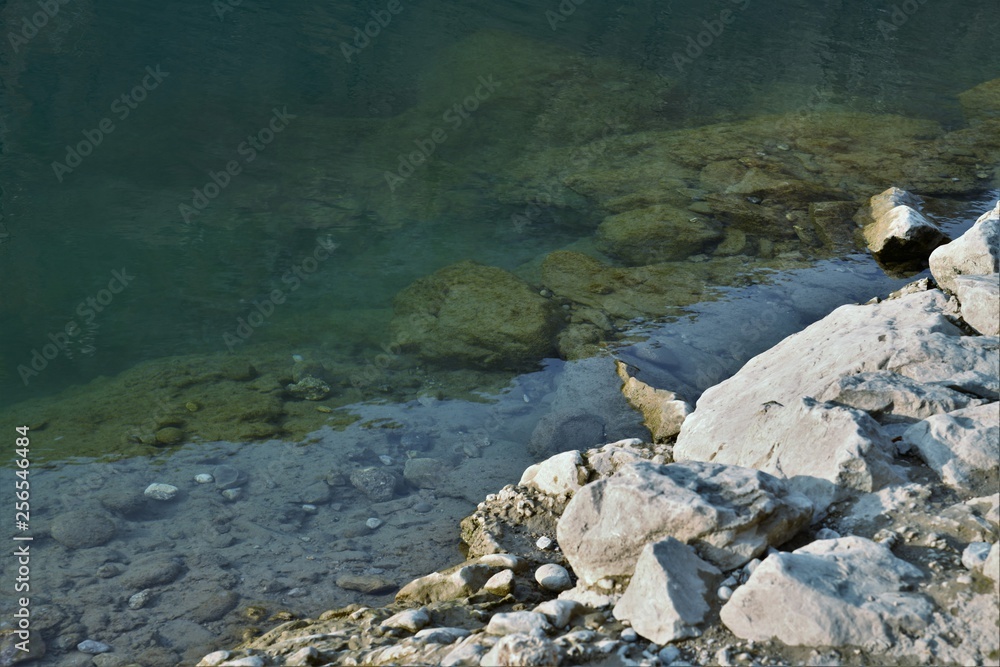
<point>763,417</point>
<point>991,568</point>
<point>843,592</point>
<point>979,297</point>
<point>903,236</point>
<point>562,474</point>
<point>963,446</point>
<point>891,397</point>
<point>667,598</point>
<point>976,252</point>
<point>728,514</point>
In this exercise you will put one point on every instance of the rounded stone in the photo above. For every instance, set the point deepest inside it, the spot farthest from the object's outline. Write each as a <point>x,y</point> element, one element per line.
<point>373,522</point>
<point>228,477</point>
<point>81,529</point>
<point>153,570</point>
<point>92,647</point>
<point>169,435</point>
<point>501,583</point>
<point>158,491</point>
<point>553,577</point>
<point>204,478</point>
<point>422,507</point>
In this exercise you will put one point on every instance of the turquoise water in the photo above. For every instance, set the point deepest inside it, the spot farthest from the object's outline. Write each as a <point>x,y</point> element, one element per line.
<point>190,189</point>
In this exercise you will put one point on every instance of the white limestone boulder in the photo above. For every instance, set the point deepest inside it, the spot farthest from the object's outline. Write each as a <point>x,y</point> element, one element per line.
<point>976,252</point>
<point>963,447</point>
<point>728,514</point>
<point>979,297</point>
<point>843,592</point>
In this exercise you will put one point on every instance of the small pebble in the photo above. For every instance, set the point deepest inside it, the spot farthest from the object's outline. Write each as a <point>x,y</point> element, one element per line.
<point>139,600</point>
<point>373,522</point>
<point>669,654</point>
<point>553,577</point>
<point>725,592</point>
<point>963,579</point>
<point>204,478</point>
<point>158,491</point>
<point>386,460</point>
<point>544,543</point>
<point>422,507</point>
<point>232,494</point>
<point>92,647</point>
<point>214,658</point>
<point>309,509</point>
<point>629,635</point>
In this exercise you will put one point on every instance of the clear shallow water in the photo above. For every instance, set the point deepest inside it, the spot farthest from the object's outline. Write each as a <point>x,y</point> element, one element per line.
<point>321,181</point>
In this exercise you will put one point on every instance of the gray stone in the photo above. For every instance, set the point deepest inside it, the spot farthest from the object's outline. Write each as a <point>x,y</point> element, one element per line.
<point>976,252</point>
<point>667,598</point>
<point>662,411</point>
<point>228,477</point>
<point>425,473</point>
<point>518,622</point>
<point>563,431</point>
<point>92,647</point>
<point>378,484</point>
<point>441,635</point>
<point>892,398</point>
<point>522,649</point>
<point>975,555</point>
<point>844,592</point>
<point>559,612</point>
<point>309,388</point>
<point>365,583</point>
<point>213,606</point>
<point>562,474</point>
<point>553,577</point>
<point>654,234</point>
<point>410,620</point>
<point>963,447</point>
<point>437,586</point>
<point>728,514</point>
<point>82,529</point>
<point>991,566</point>
<point>150,571</point>
<point>214,659</point>
<point>501,583</point>
<point>979,297</point>
<point>885,201</point>
<point>159,491</point>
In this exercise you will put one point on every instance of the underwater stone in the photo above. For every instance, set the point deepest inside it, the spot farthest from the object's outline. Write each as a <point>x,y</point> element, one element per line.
<point>158,491</point>
<point>378,485</point>
<point>309,388</point>
<point>228,477</point>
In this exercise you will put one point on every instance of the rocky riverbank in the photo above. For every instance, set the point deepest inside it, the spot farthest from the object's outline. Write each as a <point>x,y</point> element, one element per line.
<point>834,502</point>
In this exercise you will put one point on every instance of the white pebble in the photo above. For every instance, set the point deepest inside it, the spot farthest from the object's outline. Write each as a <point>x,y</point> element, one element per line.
<point>92,647</point>
<point>309,509</point>
<point>544,542</point>
<point>233,494</point>
<point>553,577</point>
<point>158,491</point>
<point>204,478</point>
<point>214,658</point>
<point>139,600</point>
<point>725,592</point>
<point>373,522</point>
<point>386,460</point>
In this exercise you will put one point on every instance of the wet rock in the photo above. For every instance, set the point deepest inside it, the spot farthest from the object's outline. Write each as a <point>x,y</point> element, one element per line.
<point>124,500</point>
<point>562,474</point>
<point>82,529</point>
<point>169,435</point>
<point>833,222</point>
<point>309,388</point>
<point>902,237</point>
<point>376,483</point>
<point>523,649</point>
<point>553,577</point>
<point>475,315</point>
<point>728,514</point>
<point>846,592</point>
<point>979,297</point>
<point>159,491</point>
<point>976,252</point>
<point>655,234</point>
<point>963,447</point>
<point>437,586</point>
<point>228,477</point>
<point>561,431</point>
<point>214,659</point>
<point>667,598</point>
<point>425,473</point>
<point>663,411</point>
<point>150,571</point>
<point>365,583</point>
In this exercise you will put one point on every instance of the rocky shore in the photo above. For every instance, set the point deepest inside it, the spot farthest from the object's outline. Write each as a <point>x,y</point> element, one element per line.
<point>837,501</point>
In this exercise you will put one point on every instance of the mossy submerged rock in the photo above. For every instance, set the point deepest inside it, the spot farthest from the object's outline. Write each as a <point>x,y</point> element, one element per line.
<point>655,234</point>
<point>470,314</point>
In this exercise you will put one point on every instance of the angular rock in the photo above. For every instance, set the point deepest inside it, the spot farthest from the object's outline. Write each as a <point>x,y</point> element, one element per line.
<point>976,252</point>
<point>518,622</point>
<point>365,583</point>
<point>728,514</point>
<point>562,474</point>
<point>410,620</point>
<point>843,592</point>
<point>763,417</point>
<point>654,234</point>
<point>558,612</point>
<point>663,411</point>
<point>501,583</point>
<point>991,566</point>
<point>158,491</point>
<point>378,484</point>
<point>885,201</point>
<point>979,297</point>
<point>522,649</point>
<point>437,586</point>
<point>963,447</point>
<point>475,315</point>
<point>667,598</point>
<point>903,237</point>
<point>893,398</point>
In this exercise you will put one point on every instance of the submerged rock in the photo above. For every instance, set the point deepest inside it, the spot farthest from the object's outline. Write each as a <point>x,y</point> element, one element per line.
<point>470,314</point>
<point>656,234</point>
